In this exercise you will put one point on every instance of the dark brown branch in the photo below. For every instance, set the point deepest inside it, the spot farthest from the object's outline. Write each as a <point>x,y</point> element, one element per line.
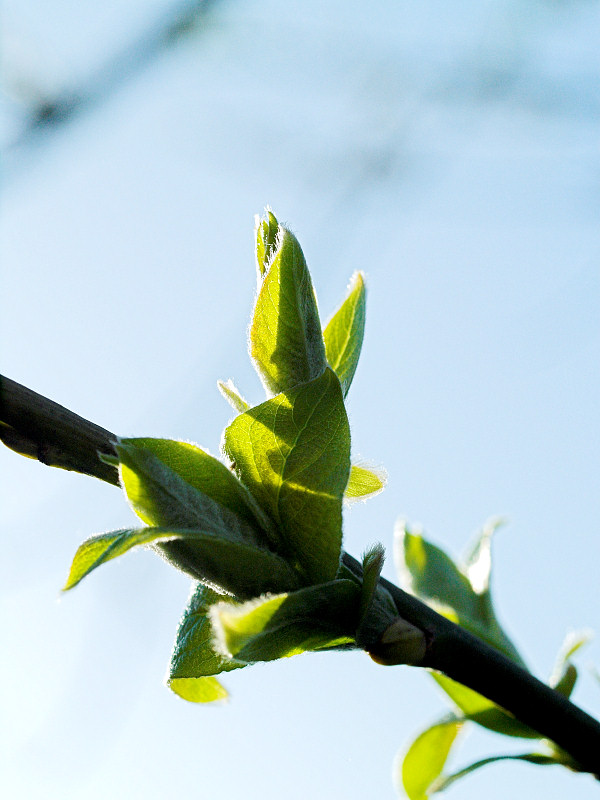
<point>39,428</point>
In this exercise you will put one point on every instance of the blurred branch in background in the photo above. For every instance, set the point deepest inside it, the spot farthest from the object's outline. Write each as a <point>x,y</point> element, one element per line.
<point>45,110</point>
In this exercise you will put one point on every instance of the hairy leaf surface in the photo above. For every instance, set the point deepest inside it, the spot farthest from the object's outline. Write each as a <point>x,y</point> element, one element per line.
<point>237,567</point>
<point>194,659</point>
<point>293,453</point>
<point>284,625</point>
<point>344,333</point>
<point>286,342</point>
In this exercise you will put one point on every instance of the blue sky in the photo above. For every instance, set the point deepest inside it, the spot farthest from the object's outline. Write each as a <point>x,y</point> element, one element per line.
<point>449,152</point>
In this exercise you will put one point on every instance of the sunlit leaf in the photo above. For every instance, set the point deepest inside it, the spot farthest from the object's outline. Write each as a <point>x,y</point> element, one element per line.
<point>237,567</point>
<point>194,659</point>
<point>484,712</point>
<point>201,471</point>
<point>423,763</point>
<point>293,452</point>
<point>564,674</point>
<point>364,483</point>
<point>344,333</point>
<point>232,395</point>
<point>266,230</point>
<point>539,759</point>
<point>284,625</point>
<point>286,342</point>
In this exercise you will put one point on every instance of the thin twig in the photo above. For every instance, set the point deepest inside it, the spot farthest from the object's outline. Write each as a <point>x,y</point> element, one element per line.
<point>39,428</point>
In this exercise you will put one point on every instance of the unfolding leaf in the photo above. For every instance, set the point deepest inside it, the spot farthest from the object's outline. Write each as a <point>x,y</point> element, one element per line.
<point>232,395</point>
<point>266,231</point>
<point>278,626</point>
<point>423,763</point>
<point>344,333</point>
<point>194,659</point>
<point>477,708</point>
<point>377,609</point>
<point>564,674</point>
<point>293,453</point>
<point>364,482</point>
<point>244,569</point>
<point>286,342</point>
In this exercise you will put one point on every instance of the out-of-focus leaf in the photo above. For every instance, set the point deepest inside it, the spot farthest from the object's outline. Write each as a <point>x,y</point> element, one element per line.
<point>243,569</point>
<point>364,483</point>
<point>232,395</point>
<point>194,659</point>
<point>286,342</point>
<point>278,626</point>
<point>431,574</point>
<point>564,674</point>
<point>423,763</point>
<point>484,712</point>
<point>344,333</point>
<point>293,453</point>
<point>540,759</point>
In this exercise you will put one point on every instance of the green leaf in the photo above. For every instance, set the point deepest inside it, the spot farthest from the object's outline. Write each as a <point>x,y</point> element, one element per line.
<point>286,342</point>
<point>364,482</point>
<point>377,610</point>
<point>293,453</point>
<point>462,595</point>
<point>243,569</point>
<point>427,756</point>
<point>266,236</point>
<point>283,625</point>
<point>564,674</point>
<point>431,574</point>
<point>344,332</point>
<point>540,759</point>
<point>201,471</point>
<point>232,395</point>
<point>194,659</point>
<point>477,708</point>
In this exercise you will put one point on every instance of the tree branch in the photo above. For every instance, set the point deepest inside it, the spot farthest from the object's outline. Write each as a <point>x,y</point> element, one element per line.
<point>38,428</point>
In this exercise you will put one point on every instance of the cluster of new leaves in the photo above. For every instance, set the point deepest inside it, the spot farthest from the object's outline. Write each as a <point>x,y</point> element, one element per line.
<point>461,592</point>
<point>261,531</point>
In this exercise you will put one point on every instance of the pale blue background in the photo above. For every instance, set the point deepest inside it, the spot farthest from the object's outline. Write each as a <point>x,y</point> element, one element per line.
<point>449,150</point>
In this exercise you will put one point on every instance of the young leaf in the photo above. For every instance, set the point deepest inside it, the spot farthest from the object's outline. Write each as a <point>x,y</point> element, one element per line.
<point>266,236</point>
<point>194,659</point>
<point>243,569</point>
<point>233,397</point>
<point>284,625</point>
<point>162,498</point>
<point>431,574</point>
<point>427,756</point>
<point>293,453</point>
<point>564,674</point>
<point>477,708</point>
<point>206,474</point>
<point>286,342</point>
<point>344,333</point>
<point>364,483</point>
<point>540,759</point>
<point>376,611</point>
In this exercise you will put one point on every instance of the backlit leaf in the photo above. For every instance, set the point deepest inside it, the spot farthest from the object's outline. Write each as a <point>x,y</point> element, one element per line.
<point>364,483</point>
<point>344,333</point>
<point>293,453</point>
<point>237,567</point>
<point>423,763</point>
<point>286,342</point>
<point>232,395</point>
<point>194,659</point>
<point>284,625</point>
